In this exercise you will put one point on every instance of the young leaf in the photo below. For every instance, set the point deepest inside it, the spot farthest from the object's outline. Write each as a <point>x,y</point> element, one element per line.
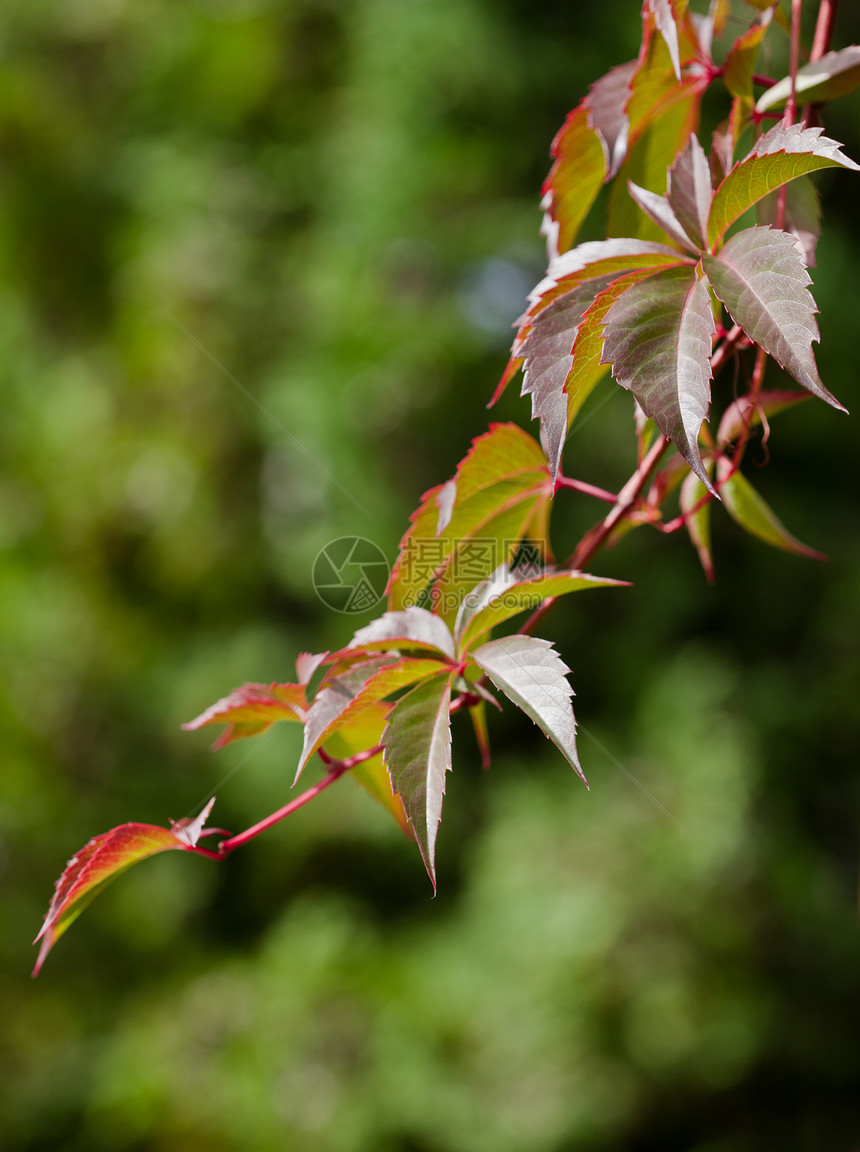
<point>500,486</point>
<point>664,18</point>
<point>782,154</point>
<point>689,192</point>
<point>750,511</point>
<point>658,340</point>
<point>504,600</point>
<point>802,216</point>
<point>834,75</point>
<point>478,713</point>
<point>533,676</point>
<point>417,741</point>
<point>363,732</point>
<point>746,412</point>
<point>657,208</point>
<point>408,627</point>
<point>760,277</point>
<point>252,709</point>
<point>698,522</point>
<point>337,705</point>
<point>574,180</point>
<point>739,64</point>
<point>102,860</point>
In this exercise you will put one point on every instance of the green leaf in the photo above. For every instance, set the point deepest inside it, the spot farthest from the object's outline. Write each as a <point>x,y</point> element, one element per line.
<point>417,741</point>
<point>779,156</point>
<point>750,511</point>
<point>102,860</point>
<point>698,522</point>
<point>574,180</point>
<point>363,732</point>
<point>835,74</point>
<point>747,411</point>
<point>689,192</point>
<point>337,705</point>
<point>252,709</point>
<point>658,340</point>
<point>740,62</point>
<point>664,17</point>
<point>760,277</point>
<point>500,486</point>
<point>534,677</point>
<point>502,597</point>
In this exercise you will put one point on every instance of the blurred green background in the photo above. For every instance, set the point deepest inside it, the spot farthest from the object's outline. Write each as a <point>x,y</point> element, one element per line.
<point>337,200</point>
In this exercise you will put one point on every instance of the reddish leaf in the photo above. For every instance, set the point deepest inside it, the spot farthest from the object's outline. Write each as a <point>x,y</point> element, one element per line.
<point>658,340</point>
<point>658,209</point>
<point>690,192</point>
<point>747,411</point>
<point>102,860</point>
<point>252,709</point>
<point>607,100</point>
<point>761,278</point>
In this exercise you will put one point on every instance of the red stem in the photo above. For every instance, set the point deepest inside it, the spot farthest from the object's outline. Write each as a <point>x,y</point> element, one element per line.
<point>586,488</point>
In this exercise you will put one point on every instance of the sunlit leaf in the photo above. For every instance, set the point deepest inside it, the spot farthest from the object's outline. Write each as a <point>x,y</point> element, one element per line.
<point>407,627</point>
<point>782,154</point>
<point>664,17</point>
<point>346,696</point>
<point>835,74</point>
<point>750,511</point>
<point>607,101</point>
<point>252,709</point>
<point>761,278</point>
<point>747,411</point>
<point>417,740</point>
<point>740,62</point>
<point>574,180</point>
<point>102,860</point>
<point>534,677</point>
<point>689,192</point>
<point>658,340</point>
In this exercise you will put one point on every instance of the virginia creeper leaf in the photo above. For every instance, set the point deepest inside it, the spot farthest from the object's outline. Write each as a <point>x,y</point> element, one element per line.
<point>761,278</point>
<point>750,511</point>
<point>506,600</point>
<point>364,732</point>
<point>478,713</point>
<point>534,677</point>
<point>834,75</point>
<point>664,17</point>
<point>802,217</point>
<point>102,860</point>
<point>252,709</point>
<point>607,100</point>
<point>698,522</point>
<point>746,412</point>
<point>307,663</point>
<point>417,741</point>
<point>574,179</point>
<point>500,486</point>
<point>689,191</point>
<point>657,208</point>
<point>587,369</point>
<point>658,340</point>
<point>782,154</point>
<point>338,704</point>
<point>740,62</point>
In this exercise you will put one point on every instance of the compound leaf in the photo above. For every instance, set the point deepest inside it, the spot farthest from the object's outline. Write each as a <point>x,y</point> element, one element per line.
<point>761,278</point>
<point>658,340</point>
<point>779,156</point>
<point>102,860</point>
<point>417,743</point>
<point>534,677</point>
